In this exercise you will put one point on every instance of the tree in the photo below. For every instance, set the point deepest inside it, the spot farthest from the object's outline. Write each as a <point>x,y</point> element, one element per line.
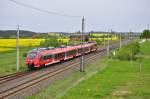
<point>51,41</point>
<point>99,42</point>
<point>86,38</point>
<point>145,34</point>
<point>128,52</point>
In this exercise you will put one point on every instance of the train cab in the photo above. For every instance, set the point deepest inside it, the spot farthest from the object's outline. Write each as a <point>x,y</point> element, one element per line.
<point>32,59</point>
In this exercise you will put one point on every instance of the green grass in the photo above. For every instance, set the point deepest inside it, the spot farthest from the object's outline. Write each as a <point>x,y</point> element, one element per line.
<point>60,87</point>
<point>8,61</point>
<point>100,85</point>
<point>121,79</point>
<point>105,79</point>
<point>136,88</point>
<point>145,48</point>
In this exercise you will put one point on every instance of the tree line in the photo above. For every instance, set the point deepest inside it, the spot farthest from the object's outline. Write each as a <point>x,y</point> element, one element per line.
<point>145,34</point>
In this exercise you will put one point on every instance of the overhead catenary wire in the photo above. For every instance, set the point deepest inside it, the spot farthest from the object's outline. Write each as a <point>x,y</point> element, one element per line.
<point>93,26</point>
<point>43,10</point>
<point>47,11</point>
<point>21,27</point>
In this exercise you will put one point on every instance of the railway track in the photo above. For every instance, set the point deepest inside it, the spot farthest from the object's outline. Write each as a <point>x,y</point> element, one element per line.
<point>10,91</point>
<point>10,77</point>
<point>31,83</point>
<point>14,76</point>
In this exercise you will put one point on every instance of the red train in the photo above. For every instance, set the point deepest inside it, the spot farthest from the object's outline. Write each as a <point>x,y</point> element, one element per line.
<point>41,57</point>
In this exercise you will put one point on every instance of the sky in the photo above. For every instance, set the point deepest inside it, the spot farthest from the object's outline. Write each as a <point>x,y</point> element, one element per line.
<point>100,15</point>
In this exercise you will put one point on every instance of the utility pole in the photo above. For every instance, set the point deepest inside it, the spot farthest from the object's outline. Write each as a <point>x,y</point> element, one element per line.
<point>148,26</point>
<point>108,43</point>
<point>120,41</point>
<point>131,34</point>
<point>82,56</point>
<point>17,48</point>
<point>111,34</point>
<point>126,38</point>
<point>104,43</point>
<point>104,40</point>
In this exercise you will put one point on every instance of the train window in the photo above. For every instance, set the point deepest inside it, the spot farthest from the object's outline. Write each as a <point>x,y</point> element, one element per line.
<point>63,54</point>
<point>83,49</point>
<point>71,52</point>
<point>86,49</point>
<point>80,50</point>
<point>60,55</point>
<point>32,55</point>
<point>49,56</point>
<point>45,57</point>
<point>55,56</point>
<point>42,58</point>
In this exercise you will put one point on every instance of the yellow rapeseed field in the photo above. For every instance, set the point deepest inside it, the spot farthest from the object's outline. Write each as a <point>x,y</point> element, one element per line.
<point>10,44</point>
<point>98,34</point>
<point>102,37</point>
<point>113,38</point>
<point>64,40</point>
<point>6,49</point>
<point>22,42</point>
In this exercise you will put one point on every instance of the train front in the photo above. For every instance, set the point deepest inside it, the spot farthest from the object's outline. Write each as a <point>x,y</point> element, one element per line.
<point>32,59</point>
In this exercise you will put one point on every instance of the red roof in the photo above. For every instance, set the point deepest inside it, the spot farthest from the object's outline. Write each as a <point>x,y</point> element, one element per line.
<point>60,50</point>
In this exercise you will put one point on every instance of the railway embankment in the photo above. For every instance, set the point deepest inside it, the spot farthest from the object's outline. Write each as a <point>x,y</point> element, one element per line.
<point>106,78</point>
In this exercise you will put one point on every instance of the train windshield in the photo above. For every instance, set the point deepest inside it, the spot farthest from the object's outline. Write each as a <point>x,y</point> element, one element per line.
<point>32,55</point>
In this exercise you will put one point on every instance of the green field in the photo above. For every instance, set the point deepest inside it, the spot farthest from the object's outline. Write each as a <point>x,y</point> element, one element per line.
<point>8,61</point>
<point>120,80</point>
<point>8,53</point>
<point>60,87</point>
<point>105,79</point>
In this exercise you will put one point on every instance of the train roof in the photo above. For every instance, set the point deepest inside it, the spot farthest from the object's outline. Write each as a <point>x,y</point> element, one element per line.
<point>60,49</point>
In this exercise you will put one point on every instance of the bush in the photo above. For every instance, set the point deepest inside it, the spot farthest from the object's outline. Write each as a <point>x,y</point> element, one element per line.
<point>128,52</point>
<point>98,42</point>
<point>25,54</point>
<point>51,41</point>
<point>145,34</point>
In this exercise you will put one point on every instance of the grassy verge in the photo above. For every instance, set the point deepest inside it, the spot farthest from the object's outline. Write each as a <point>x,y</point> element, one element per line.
<point>137,87</point>
<point>112,78</point>
<point>8,61</point>
<point>145,48</point>
<point>119,80</point>
<point>105,79</point>
<point>60,87</point>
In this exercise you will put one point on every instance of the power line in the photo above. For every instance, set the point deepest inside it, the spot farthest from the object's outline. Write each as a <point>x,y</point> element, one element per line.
<point>8,25</point>
<point>21,27</point>
<point>42,10</point>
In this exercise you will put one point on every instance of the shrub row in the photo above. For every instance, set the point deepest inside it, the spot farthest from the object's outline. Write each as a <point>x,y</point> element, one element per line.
<point>128,52</point>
